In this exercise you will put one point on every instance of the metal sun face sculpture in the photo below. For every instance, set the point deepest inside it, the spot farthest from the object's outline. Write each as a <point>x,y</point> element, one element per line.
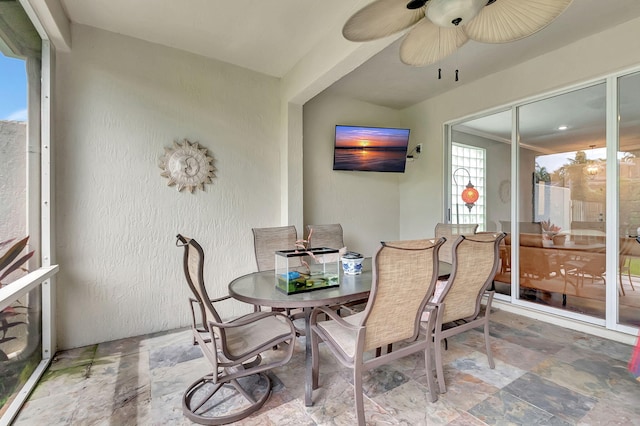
<point>187,166</point>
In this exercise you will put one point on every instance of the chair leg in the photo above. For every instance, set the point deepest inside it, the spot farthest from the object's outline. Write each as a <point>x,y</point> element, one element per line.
<point>315,362</point>
<point>439,370</point>
<point>428,360</point>
<point>357,390</point>
<point>492,365</point>
<point>201,401</point>
<point>433,396</point>
<point>487,312</point>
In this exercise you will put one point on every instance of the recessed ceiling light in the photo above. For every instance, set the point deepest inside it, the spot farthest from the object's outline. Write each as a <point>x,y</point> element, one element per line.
<point>563,127</point>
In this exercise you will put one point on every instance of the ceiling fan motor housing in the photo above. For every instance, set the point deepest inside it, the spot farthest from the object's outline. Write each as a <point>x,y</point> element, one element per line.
<point>416,4</point>
<point>451,13</point>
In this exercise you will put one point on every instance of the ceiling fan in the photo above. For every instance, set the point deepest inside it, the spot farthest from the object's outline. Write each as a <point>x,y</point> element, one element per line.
<point>440,27</point>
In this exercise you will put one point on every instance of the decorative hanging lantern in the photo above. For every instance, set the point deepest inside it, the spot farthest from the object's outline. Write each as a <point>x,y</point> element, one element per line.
<point>470,195</point>
<point>592,169</point>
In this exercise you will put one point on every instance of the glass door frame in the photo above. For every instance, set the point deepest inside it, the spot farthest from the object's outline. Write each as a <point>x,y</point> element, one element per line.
<point>40,219</point>
<point>612,197</point>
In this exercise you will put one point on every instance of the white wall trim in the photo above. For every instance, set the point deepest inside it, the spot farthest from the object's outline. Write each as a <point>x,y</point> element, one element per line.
<point>51,22</point>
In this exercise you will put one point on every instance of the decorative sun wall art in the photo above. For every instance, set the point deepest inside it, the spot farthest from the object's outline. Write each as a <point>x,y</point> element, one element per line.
<point>187,165</point>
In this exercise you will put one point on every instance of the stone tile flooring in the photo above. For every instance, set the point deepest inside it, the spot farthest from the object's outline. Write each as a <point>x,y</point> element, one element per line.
<point>544,375</point>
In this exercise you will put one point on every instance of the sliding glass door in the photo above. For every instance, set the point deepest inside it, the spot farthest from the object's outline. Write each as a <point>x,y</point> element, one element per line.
<point>566,198</point>
<point>489,138</point>
<point>628,158</point>
<point>562,166</point>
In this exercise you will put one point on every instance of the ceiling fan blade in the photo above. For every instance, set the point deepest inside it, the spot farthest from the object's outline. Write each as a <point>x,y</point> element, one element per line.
<point>427,43</point>
<point>510,20</point>
<point>380,19</point>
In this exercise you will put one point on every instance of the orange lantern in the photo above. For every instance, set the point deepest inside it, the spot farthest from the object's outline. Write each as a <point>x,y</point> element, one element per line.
<point>470,195</point>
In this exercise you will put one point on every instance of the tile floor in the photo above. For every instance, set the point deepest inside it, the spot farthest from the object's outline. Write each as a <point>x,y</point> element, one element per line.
<point>544,375</point>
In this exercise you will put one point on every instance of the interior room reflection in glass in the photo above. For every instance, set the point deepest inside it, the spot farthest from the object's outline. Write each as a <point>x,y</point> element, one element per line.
<point>489,135</point>
<point>562,206</point>
<point>629,201</point>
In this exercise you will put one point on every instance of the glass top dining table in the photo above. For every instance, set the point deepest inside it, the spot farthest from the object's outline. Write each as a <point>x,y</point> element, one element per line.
<point>259,288</point>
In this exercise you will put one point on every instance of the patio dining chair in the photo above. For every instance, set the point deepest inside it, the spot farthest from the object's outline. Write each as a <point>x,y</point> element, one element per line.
<point>266,241</point>
<point>404,276</point>
<point>628,251</point>
<point>330,235</point>
<point>450,231</point>
<point>237,384</point>
<point>456,303</point>
<point>585,264</point>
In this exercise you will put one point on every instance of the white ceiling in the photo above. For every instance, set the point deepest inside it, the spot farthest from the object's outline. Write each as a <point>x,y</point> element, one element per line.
<point>272,36</point>
<point>265,36</point>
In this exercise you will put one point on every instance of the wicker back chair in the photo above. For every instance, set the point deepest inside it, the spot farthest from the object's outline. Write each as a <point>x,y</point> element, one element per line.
<point>404,277</point>
<point>457,303</point>
<point>326,235</point>
<point>450,231</point>
<point>232,348</point>
<point>266,241</point>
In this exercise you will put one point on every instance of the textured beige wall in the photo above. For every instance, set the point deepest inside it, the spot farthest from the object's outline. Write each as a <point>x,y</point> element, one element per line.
<point>421,195</point>
<point>120,101</point>
<point>367,204</point>
<point>13,179</point>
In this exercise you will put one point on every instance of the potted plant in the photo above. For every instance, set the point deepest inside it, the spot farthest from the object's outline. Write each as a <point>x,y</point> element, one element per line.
<point>552,232</point>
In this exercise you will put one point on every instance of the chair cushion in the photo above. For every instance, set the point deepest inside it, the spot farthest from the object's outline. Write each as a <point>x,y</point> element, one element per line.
<point>246,338</point>
<point>344,338</point>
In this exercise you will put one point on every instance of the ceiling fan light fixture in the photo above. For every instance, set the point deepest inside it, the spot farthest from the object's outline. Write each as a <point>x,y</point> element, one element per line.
<point>414,51</point>
<point>437,28</point>
<point>451,13</point>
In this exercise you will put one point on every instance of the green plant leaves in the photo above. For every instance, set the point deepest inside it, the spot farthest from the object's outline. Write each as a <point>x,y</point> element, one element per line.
<point>7,264</point>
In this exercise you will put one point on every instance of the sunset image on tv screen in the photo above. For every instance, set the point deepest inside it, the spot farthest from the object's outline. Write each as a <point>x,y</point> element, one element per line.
<point>370,149</point>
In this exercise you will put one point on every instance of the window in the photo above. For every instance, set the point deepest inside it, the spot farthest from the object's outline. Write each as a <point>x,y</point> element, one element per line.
<point>468,165</point>
<point>26,330</point>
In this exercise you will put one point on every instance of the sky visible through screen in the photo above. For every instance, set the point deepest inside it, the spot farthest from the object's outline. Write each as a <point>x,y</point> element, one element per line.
<point>370,137</point>
<point>13,89</point>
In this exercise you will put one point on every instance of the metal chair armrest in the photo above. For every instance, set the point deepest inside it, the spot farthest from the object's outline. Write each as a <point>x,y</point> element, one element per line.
<point>331,313</point>
<point>251,318</point>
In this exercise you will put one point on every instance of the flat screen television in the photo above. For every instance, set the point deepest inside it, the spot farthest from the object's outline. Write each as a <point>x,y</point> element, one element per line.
<point>371,149</point>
